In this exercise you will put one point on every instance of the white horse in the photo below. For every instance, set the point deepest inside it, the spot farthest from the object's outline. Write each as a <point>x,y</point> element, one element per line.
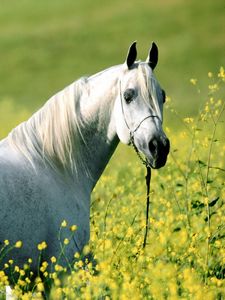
<point>50,164</point>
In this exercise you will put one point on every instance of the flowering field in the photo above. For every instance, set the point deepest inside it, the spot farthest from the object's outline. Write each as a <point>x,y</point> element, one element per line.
<point>185,253</point>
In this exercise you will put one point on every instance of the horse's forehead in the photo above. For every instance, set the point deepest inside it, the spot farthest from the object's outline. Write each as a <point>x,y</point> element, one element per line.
<point>138,75</point>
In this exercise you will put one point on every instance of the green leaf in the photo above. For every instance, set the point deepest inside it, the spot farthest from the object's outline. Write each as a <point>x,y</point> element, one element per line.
<point>209,181</point>
<point>213,202</point>
<point>202,163</point>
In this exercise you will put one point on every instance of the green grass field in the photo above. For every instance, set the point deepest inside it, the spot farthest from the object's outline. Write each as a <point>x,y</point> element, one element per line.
<point>45,45</point>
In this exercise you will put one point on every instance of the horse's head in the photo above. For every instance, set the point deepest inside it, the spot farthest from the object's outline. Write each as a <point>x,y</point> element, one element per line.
<point>139,108</point>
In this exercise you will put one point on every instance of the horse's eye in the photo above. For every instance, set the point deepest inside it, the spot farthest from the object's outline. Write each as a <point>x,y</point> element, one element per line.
<point>164,96</point>
<point>129,95</point>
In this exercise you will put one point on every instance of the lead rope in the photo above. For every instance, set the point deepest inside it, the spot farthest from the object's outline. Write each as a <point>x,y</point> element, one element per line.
<point>148,181</point>
<point>148,184</point>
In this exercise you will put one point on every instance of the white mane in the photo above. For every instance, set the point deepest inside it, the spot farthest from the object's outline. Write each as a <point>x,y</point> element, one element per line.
<point>54,131</point>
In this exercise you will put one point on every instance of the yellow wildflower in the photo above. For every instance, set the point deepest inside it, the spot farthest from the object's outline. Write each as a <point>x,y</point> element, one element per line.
<point>53,259</point>
<point>22,272</point>
<point>210,74</point>
<point>58,268</point>
<point>27,280</point>
<point>6,242</point>
<point>18,244</point>
<point>193,81</point>
<point>66,241</point>
<point>42,246</point>
<point>73,228</point>
<point>57,282</point>
<point>30,260</point>
<point>76,255</point>
<point>64,223</point>
<point>40,287</point>
<point>44,266</point>
<point>221,73</point>
<point>130,231</point>
<point>16,269</point>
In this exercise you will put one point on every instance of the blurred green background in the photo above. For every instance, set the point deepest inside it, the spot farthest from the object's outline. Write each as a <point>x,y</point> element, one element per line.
<point>45,45</point>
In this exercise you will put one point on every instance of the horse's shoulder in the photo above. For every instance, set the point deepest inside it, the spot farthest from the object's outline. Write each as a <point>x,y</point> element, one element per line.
<point>9,158</point>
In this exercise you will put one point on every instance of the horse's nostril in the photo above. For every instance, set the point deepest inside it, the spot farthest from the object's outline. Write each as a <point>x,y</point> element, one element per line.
<point>153,145</point>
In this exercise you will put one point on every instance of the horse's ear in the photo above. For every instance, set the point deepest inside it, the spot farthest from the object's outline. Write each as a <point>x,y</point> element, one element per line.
<point>131,55</point>
<point>152,58</point>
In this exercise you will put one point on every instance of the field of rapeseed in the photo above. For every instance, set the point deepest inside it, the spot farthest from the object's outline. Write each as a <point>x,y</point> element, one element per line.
<point>185,253</point>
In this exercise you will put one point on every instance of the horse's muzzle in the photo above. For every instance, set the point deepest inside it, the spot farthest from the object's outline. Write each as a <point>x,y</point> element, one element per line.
<point>159,149</point>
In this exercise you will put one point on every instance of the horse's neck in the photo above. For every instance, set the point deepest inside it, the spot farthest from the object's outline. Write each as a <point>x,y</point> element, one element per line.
<point>100,130</point>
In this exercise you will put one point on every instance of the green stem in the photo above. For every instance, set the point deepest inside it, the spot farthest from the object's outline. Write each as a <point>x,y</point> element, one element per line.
<point>215,123</point>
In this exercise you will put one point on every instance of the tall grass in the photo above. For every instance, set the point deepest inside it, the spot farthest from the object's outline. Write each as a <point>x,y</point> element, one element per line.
<point>184,257</point>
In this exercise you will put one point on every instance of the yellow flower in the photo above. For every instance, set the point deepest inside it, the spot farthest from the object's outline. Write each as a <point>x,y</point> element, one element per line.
<point>80,264</point>
<point>188,120</point>
<point>193,81</point>
<point>64,223</point>
<point>53,259</point>
<point>108,244</point>
<point>27,280</point>
<point>76,255</point>
<point>22,272</point>
<point>42,246</point>
<point>45,274</point>
<point>207,108</point>
<point>66,241</point>
<point>219,103</point>
<point>18,244</point>
<point>40,287</point>
<point>221,73</point>
<point>210,74</point>
<point>58,268</point>
<point>30,260</point>
<point>6,242</point>
<point>37,280</point>
<point>57,282</point>
<point>130,231</point>
<point>16,269</point>
<point>73,228</point>
<point>44,266</point>
<point>213,87</point>
<point>21,282</point>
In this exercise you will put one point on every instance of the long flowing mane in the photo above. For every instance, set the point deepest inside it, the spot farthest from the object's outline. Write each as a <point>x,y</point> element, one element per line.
<point>53,132</point>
